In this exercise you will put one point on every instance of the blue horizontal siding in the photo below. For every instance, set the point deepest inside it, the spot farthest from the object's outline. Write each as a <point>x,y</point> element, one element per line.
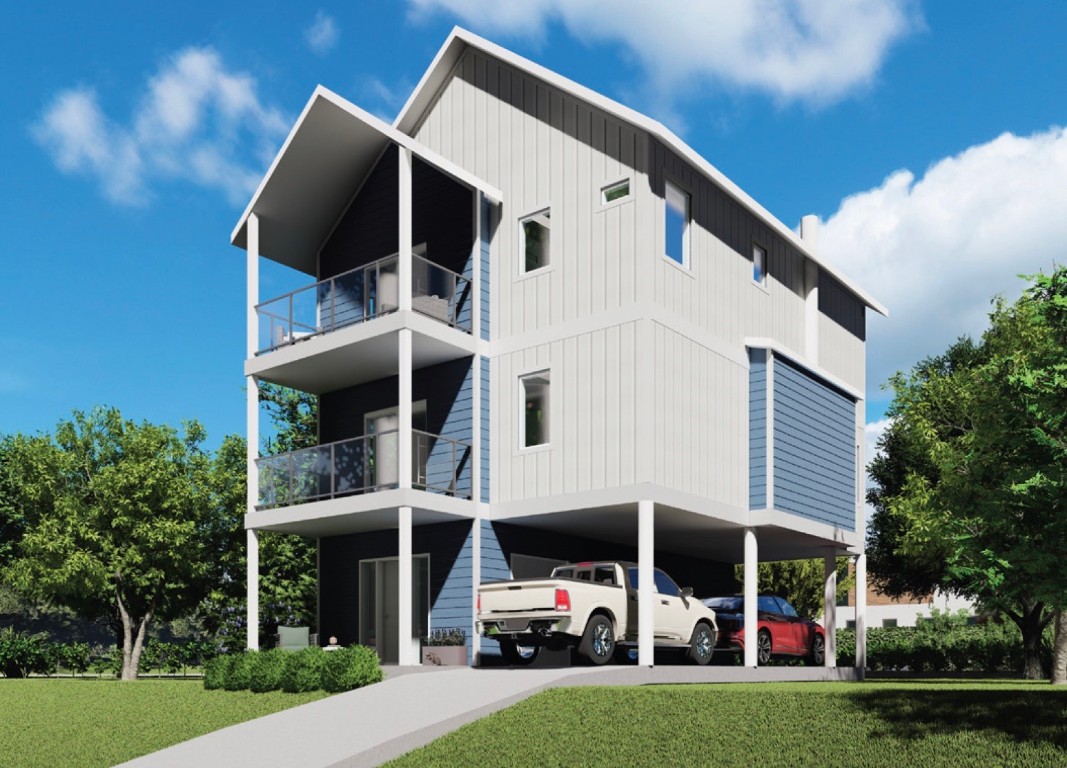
<point>454,605</point>
<point>814,447</point>
<point>757,429</point>
<point>483,238</point>
<point>483,365</point>
<point>494,566</point>
<point>458,425</point>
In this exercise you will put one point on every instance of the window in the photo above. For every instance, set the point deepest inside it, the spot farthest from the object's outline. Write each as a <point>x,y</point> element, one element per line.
<point>613,192</point>
<point>676,207</point>
<point>665,585</point>
<point>604,574</point>
<point>850,624</point>
<point>759,265</point>
<point>889,623</point>
<point>533,421</point>
<point>536,231</point>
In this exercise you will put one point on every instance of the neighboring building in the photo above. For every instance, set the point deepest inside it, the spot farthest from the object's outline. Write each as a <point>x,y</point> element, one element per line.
<point>541,328</point>
<point>885,611</point>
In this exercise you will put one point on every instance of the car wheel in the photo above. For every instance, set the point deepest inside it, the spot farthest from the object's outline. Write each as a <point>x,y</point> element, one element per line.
<point>702,644</point>
<point>598,642</point>
<point>518,655</point>
<point>817,657</point>
<point>763,647</point>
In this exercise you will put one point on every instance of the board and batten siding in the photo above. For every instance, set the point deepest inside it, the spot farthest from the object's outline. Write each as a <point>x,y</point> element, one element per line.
<point>542,148</point>
<point>757,429</point>
<point>717,293</point>
<point>842,332</point>
<point>814,447</point>
<point>592,416</point>
<point>698,414</point>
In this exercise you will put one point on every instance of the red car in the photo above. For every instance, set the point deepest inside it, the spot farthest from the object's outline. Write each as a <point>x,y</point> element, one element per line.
<point>781,630</point>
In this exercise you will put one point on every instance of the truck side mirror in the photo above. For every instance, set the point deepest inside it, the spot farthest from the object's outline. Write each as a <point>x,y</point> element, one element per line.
<point>687,592</point>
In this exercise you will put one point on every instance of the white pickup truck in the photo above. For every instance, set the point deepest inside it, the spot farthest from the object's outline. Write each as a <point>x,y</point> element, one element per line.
<point>591,606</point>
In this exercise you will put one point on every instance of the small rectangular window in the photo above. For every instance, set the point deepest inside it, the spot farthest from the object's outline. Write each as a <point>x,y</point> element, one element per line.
<point>613,192</point>
<point>535,233</point>
<point>759,265</point>
<point>676,208</point>
<point>887,623</point>
<point>533,421</point>
<point>850,624</point>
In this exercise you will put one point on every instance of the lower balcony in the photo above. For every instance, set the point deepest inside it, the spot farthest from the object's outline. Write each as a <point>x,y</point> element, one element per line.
<point>364,464</point>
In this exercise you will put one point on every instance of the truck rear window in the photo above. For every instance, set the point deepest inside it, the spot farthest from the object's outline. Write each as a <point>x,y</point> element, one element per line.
<point>605,574</point>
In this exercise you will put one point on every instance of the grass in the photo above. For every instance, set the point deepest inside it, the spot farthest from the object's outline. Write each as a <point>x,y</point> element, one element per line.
<point>86,722</point>
<point>965,723</point>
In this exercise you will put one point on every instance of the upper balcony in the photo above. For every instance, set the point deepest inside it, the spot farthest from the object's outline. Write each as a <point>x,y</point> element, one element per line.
<point>392,236</point>
<point>362,294</point>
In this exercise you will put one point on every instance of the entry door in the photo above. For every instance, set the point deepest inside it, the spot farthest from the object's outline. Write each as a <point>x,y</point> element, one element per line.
<point>379,624</point>
<point>383,446</point>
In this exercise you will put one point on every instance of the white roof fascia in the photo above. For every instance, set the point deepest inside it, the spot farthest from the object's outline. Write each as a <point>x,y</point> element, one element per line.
<point>780,349</point>
<point>388,132</point>
<point>449,53</point>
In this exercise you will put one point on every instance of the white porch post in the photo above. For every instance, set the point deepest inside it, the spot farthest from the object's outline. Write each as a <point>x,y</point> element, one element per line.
<point>252,432</point>
<point>861,613</point>
<point>404,271</point>
<point>829,615</point>
<point>751,589</point>
<point>406,654</point>
<point>646,582</point>
<point>404,436</point>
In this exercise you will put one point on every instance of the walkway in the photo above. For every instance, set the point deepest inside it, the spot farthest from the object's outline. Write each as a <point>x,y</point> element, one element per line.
<point>411,708</point>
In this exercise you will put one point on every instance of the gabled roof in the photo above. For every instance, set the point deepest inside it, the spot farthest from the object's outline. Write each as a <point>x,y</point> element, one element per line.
<point>460,39</point>
<point>329,151</point>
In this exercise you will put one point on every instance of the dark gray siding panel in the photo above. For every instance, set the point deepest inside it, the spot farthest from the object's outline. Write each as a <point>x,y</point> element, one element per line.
<point>814,447</point>
<point>449,546</point>
<point>837,303</point>
<point>757,429</point>
<point>442,216</point>
<point>369,229</point>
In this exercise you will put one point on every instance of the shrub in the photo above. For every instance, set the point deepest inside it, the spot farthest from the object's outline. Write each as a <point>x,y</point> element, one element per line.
<point>303,670</point>
<point>266,669</point>
<point>215,673</point>
<point>106,659</point>
<point>75,657</point>
<point>349,668</point>
<point>22,655</point>
<point>238,667</point>
<point>446,637</point>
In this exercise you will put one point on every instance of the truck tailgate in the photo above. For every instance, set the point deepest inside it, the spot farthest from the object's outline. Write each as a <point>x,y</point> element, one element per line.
<point>519,596</point>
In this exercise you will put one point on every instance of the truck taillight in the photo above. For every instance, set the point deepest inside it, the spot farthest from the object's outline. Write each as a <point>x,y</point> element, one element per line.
<point>563,601</point>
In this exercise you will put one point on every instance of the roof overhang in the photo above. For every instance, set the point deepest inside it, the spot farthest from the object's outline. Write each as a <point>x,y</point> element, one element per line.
<point>330,150</point>
<point>460,39</point>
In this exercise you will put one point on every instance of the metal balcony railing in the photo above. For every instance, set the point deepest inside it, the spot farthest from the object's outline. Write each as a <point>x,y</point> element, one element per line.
<point>362,294</point>
<point>363,465</point>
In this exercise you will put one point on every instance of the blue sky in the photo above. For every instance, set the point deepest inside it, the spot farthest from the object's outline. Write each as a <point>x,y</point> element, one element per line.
<point>927,136</point>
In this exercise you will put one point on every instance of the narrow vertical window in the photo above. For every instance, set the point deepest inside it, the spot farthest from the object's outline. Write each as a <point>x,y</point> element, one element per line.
<point>533,421</point>
<point>759,265</point>
<point>676,207</point>
<point>535,233</point>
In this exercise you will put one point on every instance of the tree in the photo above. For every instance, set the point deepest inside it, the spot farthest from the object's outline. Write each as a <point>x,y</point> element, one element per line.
<point>970,490</point>
<point>117,515</point>
<point>800,582</point>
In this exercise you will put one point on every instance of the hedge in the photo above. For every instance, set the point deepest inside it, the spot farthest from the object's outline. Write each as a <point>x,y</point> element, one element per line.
<point>22,654</point>
<point>942,644</point>
<point>309,669</point>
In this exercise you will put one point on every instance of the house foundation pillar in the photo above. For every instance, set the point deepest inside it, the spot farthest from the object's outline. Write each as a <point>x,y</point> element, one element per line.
<point>406,655</point>
<point>830,608</point>
<point>646,583</point>
<point>751,592</point>
<point>861,614</point>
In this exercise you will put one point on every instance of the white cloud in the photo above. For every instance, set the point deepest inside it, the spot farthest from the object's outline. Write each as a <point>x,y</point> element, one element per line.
<point>814,51</point>
<point>936,249</point>
<point>322,35</point>
<point>385,101</point>
<point>195,121</point>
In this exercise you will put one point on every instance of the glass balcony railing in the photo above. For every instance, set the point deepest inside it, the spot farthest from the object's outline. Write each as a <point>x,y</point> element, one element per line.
<point>362,294</point>
<point>363,465</point>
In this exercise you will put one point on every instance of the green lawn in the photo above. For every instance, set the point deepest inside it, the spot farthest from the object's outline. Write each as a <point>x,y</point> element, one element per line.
<point>965,723</point>
<point>87,722</point>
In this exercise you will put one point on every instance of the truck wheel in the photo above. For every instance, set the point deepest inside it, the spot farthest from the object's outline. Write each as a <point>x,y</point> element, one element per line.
<point>598,642</point>
<point>702,644</point>
<point>518,655</point>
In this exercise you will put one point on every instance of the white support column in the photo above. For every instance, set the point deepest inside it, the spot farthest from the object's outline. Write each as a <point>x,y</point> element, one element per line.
<point>646,582</point>
<point>404,436</point>
<point>252,598</point>
<point>252,433</point>
<point>829,616</point>
<point>476,579</point>
<point>476,268</point>
<point>406,655</point>
<point>751,590</point>
<point>861,614</point>
<point>404,271</point>
<point>476,493</point>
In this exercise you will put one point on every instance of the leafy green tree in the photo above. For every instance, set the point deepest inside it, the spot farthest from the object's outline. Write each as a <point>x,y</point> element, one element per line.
<point>800,582</point>
<point>971,486</point>
<point>116,514</point>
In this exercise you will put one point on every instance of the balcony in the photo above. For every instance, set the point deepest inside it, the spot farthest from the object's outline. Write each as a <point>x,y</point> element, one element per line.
<point>363,465</point>
<point>362,294</point>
